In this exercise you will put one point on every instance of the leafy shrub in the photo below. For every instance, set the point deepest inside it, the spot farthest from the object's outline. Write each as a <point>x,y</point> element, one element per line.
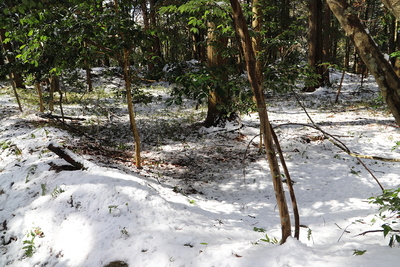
<point>389,211</point>
<point>29,245</point>
<point>197,81</point>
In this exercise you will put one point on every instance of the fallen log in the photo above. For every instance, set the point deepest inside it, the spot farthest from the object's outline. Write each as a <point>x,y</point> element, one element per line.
<point>66,155</point>
<point>57,117</point>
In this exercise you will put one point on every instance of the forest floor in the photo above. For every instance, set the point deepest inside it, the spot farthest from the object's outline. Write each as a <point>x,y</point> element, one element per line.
<point>204,196</point>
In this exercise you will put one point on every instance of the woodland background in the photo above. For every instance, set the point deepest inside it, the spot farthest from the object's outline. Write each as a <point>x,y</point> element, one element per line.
<point>227,57</point>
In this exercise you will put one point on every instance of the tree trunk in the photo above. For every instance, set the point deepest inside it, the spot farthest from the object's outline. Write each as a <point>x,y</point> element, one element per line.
<point>131,110</point>
<point>393,6</point>
<point>285,14</point>
<point>156,49</point>
<point>88,71</point>
<point>397,59</point>
<point>198,47</point>
<point>89,83</point>
<point>256,42</point>
<point>150,22</point>
<point>54,87</point>
<point>315,42</point>
<point>256,39</point>
<point>2,63</point>
<point>40,96</point>
<point>385,76</point>
<point>346,63</point>
<point>242,29</point>
<point>218,99</point>
<point>327,47</point>
<point>14,87</point>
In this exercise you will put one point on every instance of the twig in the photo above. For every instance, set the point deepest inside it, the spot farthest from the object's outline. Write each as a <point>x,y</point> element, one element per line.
<point>376,231</point>
<point>340,144</point>
<point>340,86</point>
<point>52,116</point>
<point>370,231</point>
<point>336,141</point>
<point>344,231</point>
<point>245,154</point>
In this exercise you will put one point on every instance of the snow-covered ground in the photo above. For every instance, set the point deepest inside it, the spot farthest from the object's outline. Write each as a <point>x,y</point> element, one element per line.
<point>204,196</point>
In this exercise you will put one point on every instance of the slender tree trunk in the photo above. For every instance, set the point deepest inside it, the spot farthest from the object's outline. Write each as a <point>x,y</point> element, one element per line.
<point>327,47</point>
<point>285,14</point>
<point>54,87</point>
<point>88,72</point>
<point>40,96</point>
<point>89,83</point>
<point>2,63</point>
<point>256,42</point>
<point>150,22</point>
<point>385,76</point>
<point>346,62</point>
<point>156,49</point>
<point>392,39</point>
<point>198,47</point>
<point>145,14</point>
<point>106,61</point>
<point>242,29</point>
<point>131,110</point>
<point>397,59</point>
<point>256,39</point>
<point>15,92</point>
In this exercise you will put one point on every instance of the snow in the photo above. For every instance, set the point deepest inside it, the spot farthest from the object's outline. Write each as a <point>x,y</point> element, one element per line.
<point>196,202</point>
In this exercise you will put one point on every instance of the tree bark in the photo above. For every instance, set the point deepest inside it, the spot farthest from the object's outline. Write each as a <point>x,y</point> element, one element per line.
<point>40,96</point>
<point>14,87</point>
<point>150,22</point>
<point>327,44</point>
<point>2,63</point>
<point>242,29</point>
<point>66,155</point>
<point>131,110</point>
<point>156,49</point>
<point>88,71</point>
<point>315,44</point>
<point>385,76</point>
<point>218,99</point>
<point>256,42</point>
<point>393,6</point>
<point>54,87</point>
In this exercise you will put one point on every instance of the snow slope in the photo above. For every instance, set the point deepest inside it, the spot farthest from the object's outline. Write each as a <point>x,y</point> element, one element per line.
<point>103,214</point>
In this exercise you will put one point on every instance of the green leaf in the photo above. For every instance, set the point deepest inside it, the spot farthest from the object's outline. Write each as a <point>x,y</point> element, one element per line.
<point>21,9</point>
<point>386,229</point>
<point>395,54</point>
<point>194,30</point>
<point>359,252</point>
<point>260,230</point>
<point>309,233</point>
